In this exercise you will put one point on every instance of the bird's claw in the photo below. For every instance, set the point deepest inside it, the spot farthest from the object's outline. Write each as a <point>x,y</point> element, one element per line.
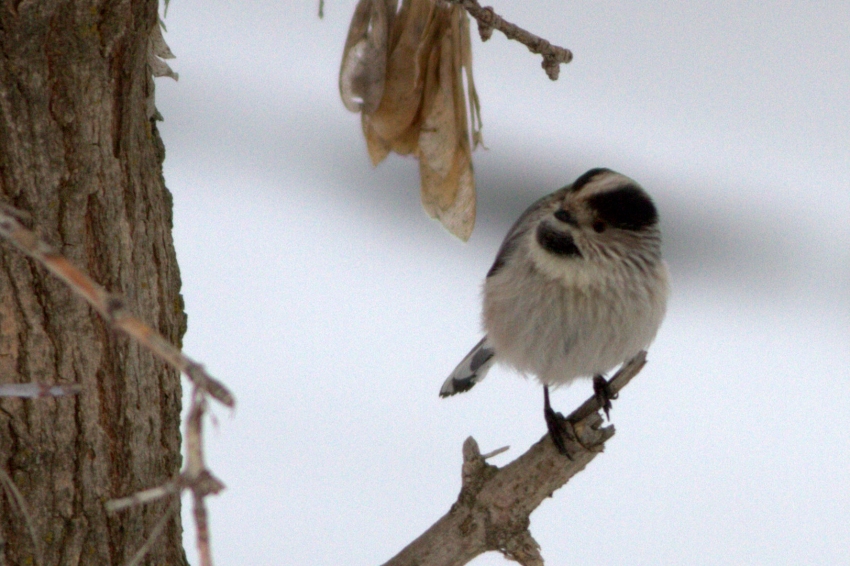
<point>561,431</point>
<point>603,393</point>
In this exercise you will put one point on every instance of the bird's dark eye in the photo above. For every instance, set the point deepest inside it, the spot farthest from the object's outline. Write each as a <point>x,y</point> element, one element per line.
<point>566,216</point>
<point>598,226</point>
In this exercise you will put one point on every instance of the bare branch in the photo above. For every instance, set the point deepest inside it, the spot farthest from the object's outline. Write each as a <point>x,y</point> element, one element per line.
<point>199,510</point>
<point>145,496</point>
<point>493,508</point>
<point>155,532</point>
<point>199,479</point>
<point>111,307</point>
<point>622,378</point>
<point>488,20</point>
<point>34,390</point>
<point>196,476</point>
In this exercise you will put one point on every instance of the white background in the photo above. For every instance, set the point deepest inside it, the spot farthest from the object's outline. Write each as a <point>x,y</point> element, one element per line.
<point>321,293</point>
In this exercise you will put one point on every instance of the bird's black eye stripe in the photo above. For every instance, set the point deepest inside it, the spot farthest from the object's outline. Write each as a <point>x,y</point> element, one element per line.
<point>585,178</point>
<point>628,208</point>
<point>556,242</point>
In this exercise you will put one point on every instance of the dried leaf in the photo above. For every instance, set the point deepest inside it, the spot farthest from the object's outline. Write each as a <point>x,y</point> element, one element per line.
<point>445,156</point>
<point>471,94</point>
<point>423,107</point>
<point>364,58</point>
<point>394,122</point>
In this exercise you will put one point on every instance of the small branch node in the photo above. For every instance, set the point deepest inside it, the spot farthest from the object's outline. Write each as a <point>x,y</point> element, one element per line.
<point>115,306</point>
<point>205,484</point>
<point>523,549</point>
<point>488,20</point>
<point>485,22</point>
<point>552,67</point>
<point>594,421</point>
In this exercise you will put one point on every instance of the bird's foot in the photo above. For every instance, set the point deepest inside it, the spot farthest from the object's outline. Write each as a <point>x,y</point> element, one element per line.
<point>561,431</point>
<point>603,393</point>
<point>563,434</point>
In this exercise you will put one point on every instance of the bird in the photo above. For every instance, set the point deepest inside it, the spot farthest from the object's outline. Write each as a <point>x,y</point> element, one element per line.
<point>578,287</point>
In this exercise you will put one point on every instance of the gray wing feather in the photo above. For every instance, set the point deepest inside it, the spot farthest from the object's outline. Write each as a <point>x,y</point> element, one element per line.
<point>471,370</point>
<point>519,229</point>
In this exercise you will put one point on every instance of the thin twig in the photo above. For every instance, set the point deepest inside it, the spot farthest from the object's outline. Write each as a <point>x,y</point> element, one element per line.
<point>145,496</point>
<point>155,532</point>
<point>203,532</point>
<point>201,481</point>
<point>620,379</point>
<point>16,496</point>
<point>488,20</point>
<point>34,390</point>
<point>196,476</point>
<point>111,307</point>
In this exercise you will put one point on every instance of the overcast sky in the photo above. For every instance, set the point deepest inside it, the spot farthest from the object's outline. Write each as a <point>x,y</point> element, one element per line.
<point>322,294</point>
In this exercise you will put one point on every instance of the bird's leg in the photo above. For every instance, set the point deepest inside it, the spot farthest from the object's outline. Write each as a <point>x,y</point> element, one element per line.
<point>561,430</point>
<point>603,393</point>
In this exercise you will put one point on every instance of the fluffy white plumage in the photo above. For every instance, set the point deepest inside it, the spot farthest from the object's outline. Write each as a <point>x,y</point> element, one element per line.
<point>578,285</point>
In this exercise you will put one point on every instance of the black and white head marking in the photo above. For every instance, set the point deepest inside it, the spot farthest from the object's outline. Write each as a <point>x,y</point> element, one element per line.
<point>627,207</point>
<point>565,221</point>
<point>557,242</point>
<point>523,224</point>
<point>586,177</point>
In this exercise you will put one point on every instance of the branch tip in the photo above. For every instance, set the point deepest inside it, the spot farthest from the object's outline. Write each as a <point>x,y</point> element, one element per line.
<point>488,20</point>
<point>523,549</point>
<point>485,23</point>
<point>470,450</point>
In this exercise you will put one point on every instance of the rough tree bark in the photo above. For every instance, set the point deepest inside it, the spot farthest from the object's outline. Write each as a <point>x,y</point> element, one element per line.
<point>80,154</point>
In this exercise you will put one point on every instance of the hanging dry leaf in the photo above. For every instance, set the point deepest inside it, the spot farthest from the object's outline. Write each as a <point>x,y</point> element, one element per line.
<point>423,106</point>
<point>445,156</point>
<point>364,58</point>
<point>394,125</point>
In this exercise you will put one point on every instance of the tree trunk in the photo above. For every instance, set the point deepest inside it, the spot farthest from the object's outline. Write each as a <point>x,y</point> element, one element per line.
<point>79,153</point>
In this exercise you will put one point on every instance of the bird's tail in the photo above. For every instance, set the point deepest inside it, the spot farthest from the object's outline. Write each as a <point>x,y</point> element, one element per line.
<point>471,370</point>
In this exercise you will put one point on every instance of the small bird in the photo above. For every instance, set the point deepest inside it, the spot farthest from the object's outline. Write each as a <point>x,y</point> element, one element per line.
<point>578,287</point>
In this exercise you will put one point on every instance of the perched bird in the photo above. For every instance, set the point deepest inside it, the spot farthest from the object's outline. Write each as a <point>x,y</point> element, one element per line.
<point>578,287</point>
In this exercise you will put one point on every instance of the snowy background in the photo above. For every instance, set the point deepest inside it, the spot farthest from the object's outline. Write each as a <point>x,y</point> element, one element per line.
<point>319,291</point>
